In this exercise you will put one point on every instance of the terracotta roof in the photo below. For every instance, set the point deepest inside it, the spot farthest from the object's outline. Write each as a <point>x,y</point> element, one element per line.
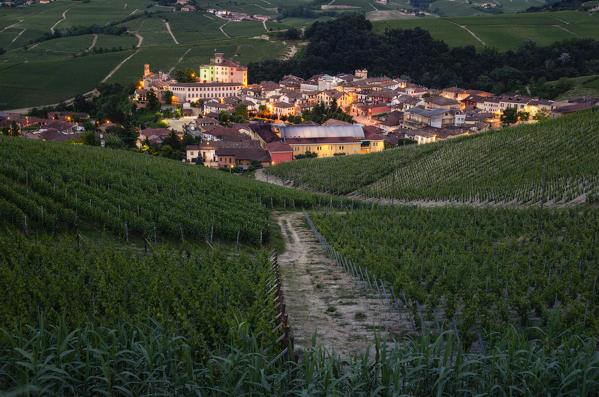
<point>155,132</point>
<point>331,122</point>
<point>278,146</point>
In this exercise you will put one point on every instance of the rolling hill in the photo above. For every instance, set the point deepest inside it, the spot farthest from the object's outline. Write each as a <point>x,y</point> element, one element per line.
<point>553,163</point>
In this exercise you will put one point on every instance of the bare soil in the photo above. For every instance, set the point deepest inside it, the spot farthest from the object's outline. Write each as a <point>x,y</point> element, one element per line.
<point>325,301</point>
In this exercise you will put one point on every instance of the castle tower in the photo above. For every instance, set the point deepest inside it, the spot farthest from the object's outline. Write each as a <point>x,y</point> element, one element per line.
<point>219,57</point>
<point>146,69</point>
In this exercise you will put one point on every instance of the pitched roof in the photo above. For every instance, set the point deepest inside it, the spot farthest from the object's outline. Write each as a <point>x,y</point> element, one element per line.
<point>264,131</point>
<point>441,101</point>
<point>426,112</point>
<point>334,122</point>
<point>278,146</point>
<point>155,132</point>
<point>244,153</point>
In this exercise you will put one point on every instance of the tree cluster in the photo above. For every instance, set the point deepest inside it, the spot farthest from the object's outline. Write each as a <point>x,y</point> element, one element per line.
<point>348,43</point>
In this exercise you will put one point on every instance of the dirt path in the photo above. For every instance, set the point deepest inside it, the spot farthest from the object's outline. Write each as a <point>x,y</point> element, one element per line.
<point>168,28</point>
<point>179,61</point>
<point>117,67</point>
<point>87,94</point>
<point>289,53</point>
<point>261,176</point>
<point>265,27</point>
<point>11,26</point>
<point>223,32</point>
<point>321,298</point>
<point>64,16</point>
<point>93,44</point>
<point>565,29</point>
<point>18,35</point>
<point>140,38</point>
<point>133,12</point>
<point>469,31</point>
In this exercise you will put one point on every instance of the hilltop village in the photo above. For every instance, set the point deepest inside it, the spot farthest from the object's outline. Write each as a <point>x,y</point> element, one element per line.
<point>235,124</point>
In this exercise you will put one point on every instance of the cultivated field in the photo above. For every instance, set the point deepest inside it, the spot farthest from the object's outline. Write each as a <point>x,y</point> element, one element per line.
<point>550,163</point>
<point>504,32</point>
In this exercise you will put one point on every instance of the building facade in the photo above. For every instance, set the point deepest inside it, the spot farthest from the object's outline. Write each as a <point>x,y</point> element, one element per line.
<point>221,70</point>
<point>193,92</point>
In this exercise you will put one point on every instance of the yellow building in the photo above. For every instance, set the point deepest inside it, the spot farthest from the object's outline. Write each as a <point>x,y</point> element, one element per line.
<point>327,141</point>
<point>221,70</point>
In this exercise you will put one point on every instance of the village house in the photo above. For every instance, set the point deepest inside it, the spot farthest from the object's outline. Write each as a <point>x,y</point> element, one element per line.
<point>280,152</point>
<point>282,109</point>
<point>417,117</point>
<point>152,135</point>
<point>242,157</point>
<point>440,102</point>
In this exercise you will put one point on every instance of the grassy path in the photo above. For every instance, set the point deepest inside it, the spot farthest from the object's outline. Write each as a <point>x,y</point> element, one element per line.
<point>223,32</point>
<point>64,16</point>
<point>469,31</point>
<point>168,28</point>
<point>117,67</point>
<point>325,301</point>
<point>93,44</point>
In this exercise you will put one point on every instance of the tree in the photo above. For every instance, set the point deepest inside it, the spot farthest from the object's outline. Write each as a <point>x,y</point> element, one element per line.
<point>153,103</point>
<point>542,115</point>
<point>89,138</point>
<point>15,129</point>
<point>167,97</point>
<point>509,116</point>
<point>185,76</point>
<point>523,116</point>
<point>241,113</point>
<point>224,117</point>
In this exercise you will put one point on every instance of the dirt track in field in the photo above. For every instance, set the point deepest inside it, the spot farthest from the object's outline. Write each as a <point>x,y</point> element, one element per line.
<point>321,298</point>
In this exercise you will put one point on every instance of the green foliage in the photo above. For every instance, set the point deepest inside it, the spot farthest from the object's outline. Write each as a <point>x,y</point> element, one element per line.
<point>509,116</point>
<point>59,185</point>
<point>321,113</point>
<point>307,155</point>
<point>144,359</point>
<point>153,103</point>
<point>554,161</point>
<point>199,293</point>
<point>185,76</point>
<point>489,268</point>
<point>167,97</point>
<point>348,43</point>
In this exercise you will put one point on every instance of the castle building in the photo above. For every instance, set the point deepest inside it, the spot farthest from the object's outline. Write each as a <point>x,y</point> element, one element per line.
<point>221,70</point>
<point>193,92</point>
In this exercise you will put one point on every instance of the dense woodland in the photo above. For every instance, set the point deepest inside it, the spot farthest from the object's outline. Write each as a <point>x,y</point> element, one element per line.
<point>348,43</point>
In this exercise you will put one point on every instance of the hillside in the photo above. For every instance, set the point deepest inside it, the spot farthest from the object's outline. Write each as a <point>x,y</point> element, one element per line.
<point>503,32</point>
<point>124,274</point>
<point>553,162</point>
<point>44,46</point>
